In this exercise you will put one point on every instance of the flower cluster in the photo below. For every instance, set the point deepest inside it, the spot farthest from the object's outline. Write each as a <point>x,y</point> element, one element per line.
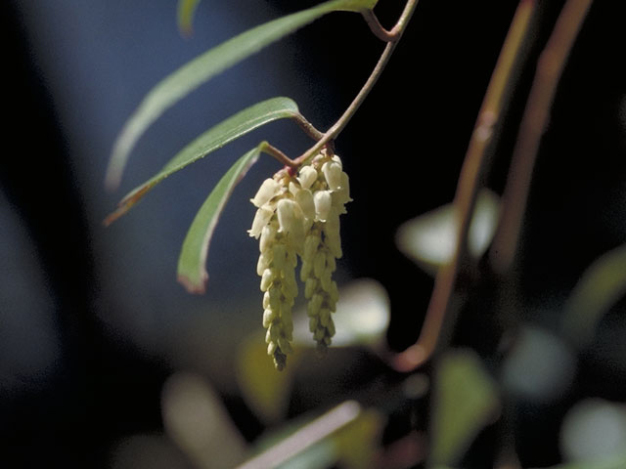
<point>299,216</point>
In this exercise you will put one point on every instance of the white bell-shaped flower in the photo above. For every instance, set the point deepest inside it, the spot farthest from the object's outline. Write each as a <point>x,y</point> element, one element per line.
<point>323,203</point>
<point>332,173</point>
<point>266,192</point>
<point>307,176</point>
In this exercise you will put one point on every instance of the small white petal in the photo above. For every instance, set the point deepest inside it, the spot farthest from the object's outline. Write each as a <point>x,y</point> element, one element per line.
<point>304,198</point>
<point>309,287</point>
<point>279,252</point>
<point>274,298</point>
<point>268,235</point>
<point>319,264</point>
<point>268,317</point>
<point>311,243</point>
<point>326,280</point>
<point>263,263</point>
<point>261,218</point>
<point>268,189</point>
<point>333,239</point>
<point>305,270</point>
<point>266,279</point>
<point>314,305</point>
<point>325,317</point>
<point>290,287</point>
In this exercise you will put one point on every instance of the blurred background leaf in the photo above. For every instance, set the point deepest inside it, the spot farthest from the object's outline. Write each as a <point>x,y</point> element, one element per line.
<point>264,389</point>
<point>362,316</point>
<point>430,238</point>
<point>465,400</point>
<point>185,12</point>
<point>601,286</point>
<point>195,418</point>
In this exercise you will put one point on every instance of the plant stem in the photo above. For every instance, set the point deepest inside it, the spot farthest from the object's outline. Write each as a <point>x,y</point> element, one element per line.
<point>392,38</point>
<point>271,150</point>
<point>549,70</point>
<point>474,165</point>
<point>308,128</point>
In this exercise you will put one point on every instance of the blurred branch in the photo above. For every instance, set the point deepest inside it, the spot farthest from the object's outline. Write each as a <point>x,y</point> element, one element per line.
<point>475,163</point>
<point>549,70</point>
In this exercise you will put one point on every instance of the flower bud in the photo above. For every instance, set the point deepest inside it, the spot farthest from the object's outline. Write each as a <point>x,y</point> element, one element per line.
<point>261,218</point>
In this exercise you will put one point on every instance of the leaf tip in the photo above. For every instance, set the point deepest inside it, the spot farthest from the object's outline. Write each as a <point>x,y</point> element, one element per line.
<point>115,215</point>
<point>194,287</point>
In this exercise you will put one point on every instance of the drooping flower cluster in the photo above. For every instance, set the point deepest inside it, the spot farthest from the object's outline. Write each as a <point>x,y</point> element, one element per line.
<point>299,216</point>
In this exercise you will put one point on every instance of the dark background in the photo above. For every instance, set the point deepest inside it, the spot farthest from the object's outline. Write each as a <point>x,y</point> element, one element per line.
<point>92,320</point>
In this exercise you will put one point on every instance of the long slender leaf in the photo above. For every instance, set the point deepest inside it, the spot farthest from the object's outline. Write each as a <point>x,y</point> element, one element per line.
<point>185,12</point>
<point>600,287</point>
<point>213,139</point>
<point>186,79</point>
<point>191,263</point>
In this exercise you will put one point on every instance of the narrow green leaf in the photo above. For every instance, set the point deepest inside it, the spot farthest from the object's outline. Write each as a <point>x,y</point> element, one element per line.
<point>191,263</point>
<point>600,287</point>
<point>189,77</point>
<point>213,139</point>
<point>186,10</point>
<point>466,399</point>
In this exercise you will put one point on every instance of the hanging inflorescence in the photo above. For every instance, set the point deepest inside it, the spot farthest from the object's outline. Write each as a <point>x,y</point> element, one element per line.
<point>298,216</point>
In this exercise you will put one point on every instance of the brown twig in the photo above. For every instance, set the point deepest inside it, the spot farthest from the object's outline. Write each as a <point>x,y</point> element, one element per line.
<point>468,186</point>
<point>271,150</point>
<point>392,38</point>
<point>549,70</point>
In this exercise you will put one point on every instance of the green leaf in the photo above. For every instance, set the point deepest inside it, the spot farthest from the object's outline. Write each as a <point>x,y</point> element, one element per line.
<point>186,10</point>
<point>213,139</point>
<point>600,287</point>
<point>191,263</point>
<point>466,400</point>
<point>430,238</point>
<point>189,77</point>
